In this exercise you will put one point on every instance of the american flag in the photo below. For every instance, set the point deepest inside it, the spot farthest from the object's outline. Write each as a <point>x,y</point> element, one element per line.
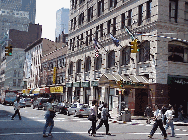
<point>96,44</point>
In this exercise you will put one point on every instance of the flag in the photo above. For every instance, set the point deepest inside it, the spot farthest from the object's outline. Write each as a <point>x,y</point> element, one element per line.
<point>116,41</point>
<point>96,48</point>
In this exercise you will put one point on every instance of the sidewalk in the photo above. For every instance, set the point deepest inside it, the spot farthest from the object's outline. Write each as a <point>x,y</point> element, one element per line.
<point>142,120</point>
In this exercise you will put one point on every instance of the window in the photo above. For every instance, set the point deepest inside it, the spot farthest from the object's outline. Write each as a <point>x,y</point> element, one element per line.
<point>70,68</point>
<point>129,18</point>
<point>177,52</point>
<point>15,73</point>
<point>98,62</point>
<point>140,14</point>
<point>144,52</point>
<point>125,56</point>
<point>113,3</point>
<point>19,83</point>
<point>81,19</point>
<point>101,30</point>
<point>186,12</point>
<point>100,7</point>
<point>90,14</point>
<point>86,38</point>
<point>114,26</point>
<point>148,9</point>
<point>122,20</point>
<point>90,40</point>
<point>71,23</point>
<point>81,1</point>
<point>74,23</point>
<point>14,82</point>
<point>173,10</point>
<point>96,33</point>
<point>111,59</point>
<point>108,26</point>
<point>88,64</point>
<point>78,66</point>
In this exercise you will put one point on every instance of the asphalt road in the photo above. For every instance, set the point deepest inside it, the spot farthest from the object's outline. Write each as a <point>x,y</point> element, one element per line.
<point>71,128</point>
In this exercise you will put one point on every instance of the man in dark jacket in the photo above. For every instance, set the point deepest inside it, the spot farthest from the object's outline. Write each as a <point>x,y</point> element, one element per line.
<point>104,119</point>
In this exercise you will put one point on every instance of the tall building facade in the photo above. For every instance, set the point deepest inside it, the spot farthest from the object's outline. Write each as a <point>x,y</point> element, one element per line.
<point>160,65</point>
<point>16,14</point>
<point>62,21</point>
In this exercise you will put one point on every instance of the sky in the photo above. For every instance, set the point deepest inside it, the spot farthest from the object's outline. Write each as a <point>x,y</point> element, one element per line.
<point>46,15</point>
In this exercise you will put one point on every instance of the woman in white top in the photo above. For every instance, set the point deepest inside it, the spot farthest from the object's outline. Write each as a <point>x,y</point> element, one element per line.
<point>93,112</point>
<point>49,120</point>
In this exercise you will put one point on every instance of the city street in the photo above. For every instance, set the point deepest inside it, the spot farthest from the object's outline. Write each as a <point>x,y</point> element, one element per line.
<point>69,127</point>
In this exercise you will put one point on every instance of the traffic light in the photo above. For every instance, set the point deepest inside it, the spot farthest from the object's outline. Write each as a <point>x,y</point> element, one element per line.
<point>8,50</point>
<point>134,46</point>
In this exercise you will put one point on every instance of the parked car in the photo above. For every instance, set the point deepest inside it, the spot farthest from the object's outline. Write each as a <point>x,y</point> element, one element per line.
<point>78,109</point>
<point>40,103</point>
<point>22,103</point>
<point>83,111</point>
<point>62,108</point>
<point>28,102</point>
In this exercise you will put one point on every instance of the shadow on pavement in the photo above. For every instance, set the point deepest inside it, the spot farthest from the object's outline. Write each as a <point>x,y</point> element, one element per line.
<point>28,129</point>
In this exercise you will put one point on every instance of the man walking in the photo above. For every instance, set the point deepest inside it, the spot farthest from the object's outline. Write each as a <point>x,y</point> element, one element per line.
<point>104,119</point>
<point>170,119</point>
<point>163,110</point>
<point>16,108</point>
<point>158,122</point>
<point>148,113</point>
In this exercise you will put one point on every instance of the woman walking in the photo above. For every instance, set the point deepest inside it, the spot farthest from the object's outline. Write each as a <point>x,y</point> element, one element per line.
<point>104,119</point>
<point>94,120</point>
<point>49,118</point>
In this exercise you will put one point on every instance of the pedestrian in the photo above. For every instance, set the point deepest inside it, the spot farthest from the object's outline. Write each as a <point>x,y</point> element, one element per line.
<point>169,115</point>
<point>16,108</point>
<point>158,122</point>
<point>180,113</point>
<point>49,118</point>
<point>94,119</point>
<point>148,113</point>
<point>104,119</point>
<point>163,110</point>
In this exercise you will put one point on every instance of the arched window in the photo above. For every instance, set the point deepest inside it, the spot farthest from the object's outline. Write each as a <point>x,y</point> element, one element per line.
<point>111,59</point>
<point>98,62</point>
<point>78,66</point>
<point>177,51</point>
<point>88,64</point>
<point>125,56</point>
<point>70,68</point>
<point>144,51</point>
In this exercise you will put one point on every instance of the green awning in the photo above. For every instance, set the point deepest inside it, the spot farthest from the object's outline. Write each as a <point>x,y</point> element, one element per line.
<point>94,83</point>
<point>76,84</point>
<point>85,84</point>
<point>69,84</point>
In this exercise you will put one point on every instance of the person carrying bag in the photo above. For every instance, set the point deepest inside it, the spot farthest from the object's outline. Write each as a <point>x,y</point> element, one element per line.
<point>93,117</point>
<point>50,114</point>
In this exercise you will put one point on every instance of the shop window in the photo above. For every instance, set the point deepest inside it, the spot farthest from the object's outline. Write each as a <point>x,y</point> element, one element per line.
<point>88,64</point>
<point>125,56</point>
<point>173,10</point>
<point>177,53</point>
<point>98,62</point>
<point>100,7</point>
<point>111,59</point>
<point>78,66</point>
<point>144,52</point>
<point>148,9</point>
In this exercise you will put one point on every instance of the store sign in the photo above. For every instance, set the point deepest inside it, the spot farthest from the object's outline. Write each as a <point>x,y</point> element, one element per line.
<point>58,89</point>
<point>94,83</point>
<point>69,84</point>
<point>76,84</point>
<point>54,75</point>
<point>177,80</point>
<point>85,84</point>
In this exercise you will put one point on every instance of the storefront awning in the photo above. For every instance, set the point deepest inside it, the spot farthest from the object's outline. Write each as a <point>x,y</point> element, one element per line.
<point>85,84</point>
<point>69,84</point>
<point>76,84</point>
<point>114,81</point>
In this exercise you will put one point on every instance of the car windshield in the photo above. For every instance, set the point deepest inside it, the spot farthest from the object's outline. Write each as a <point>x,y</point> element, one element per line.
<point>84,106</point>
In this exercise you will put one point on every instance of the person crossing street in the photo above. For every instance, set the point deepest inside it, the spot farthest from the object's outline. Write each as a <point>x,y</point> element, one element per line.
<point>16,108</point>
<point>169,116</point>
<point>158,122</point>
